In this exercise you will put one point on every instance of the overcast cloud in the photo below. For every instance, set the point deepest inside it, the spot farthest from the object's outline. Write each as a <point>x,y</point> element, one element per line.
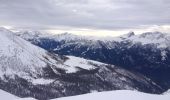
<point>85,14</point>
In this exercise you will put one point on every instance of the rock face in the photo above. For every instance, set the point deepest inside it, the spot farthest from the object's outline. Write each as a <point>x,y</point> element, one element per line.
<point>29,71</point>
<point>147,53</point>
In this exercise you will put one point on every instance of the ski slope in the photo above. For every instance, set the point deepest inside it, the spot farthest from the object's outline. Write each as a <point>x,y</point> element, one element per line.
<point>118,95</point>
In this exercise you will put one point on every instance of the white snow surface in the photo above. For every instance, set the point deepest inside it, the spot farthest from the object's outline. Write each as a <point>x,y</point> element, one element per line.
<point>118,95</point>
<point>111,95</point>
<point>73,64</point>
<point>42,81</point>
<point>7,96</point>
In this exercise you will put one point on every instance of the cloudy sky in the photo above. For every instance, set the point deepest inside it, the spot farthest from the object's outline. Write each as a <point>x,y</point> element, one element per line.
<point>94,17</point>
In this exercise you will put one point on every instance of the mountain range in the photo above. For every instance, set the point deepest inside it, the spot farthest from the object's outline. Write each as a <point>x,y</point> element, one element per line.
<point>147,53</point>
<point>27,70</point>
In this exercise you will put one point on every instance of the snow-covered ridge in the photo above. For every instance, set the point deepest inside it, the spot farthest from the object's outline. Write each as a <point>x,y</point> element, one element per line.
<point>70,36</point>
<point>162,40</point>
<point>167,92</point>
<point>118,95</point>
<point>59,37</point>
<point>16,58</point>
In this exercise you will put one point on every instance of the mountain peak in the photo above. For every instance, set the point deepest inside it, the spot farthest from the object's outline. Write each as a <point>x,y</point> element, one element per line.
<point>130,34</point>
<point>6,33</point>
<point>156,35</point>
<point>30,33</point>
<point>66,33</point>
<point>2,29</point>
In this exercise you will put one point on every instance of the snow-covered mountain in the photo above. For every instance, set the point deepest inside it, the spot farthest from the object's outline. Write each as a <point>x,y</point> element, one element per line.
<point>147,53</point>
<point>30,71</point>
<point>19,57</point>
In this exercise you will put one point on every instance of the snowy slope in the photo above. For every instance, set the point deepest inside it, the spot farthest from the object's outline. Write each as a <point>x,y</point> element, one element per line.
<point>7,96</point>
<point>118,95</point>
<point>167,92</point>
<point>16,58</point>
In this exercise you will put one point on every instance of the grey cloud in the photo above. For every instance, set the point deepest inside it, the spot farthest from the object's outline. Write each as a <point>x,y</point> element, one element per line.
<point>94,14</point>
